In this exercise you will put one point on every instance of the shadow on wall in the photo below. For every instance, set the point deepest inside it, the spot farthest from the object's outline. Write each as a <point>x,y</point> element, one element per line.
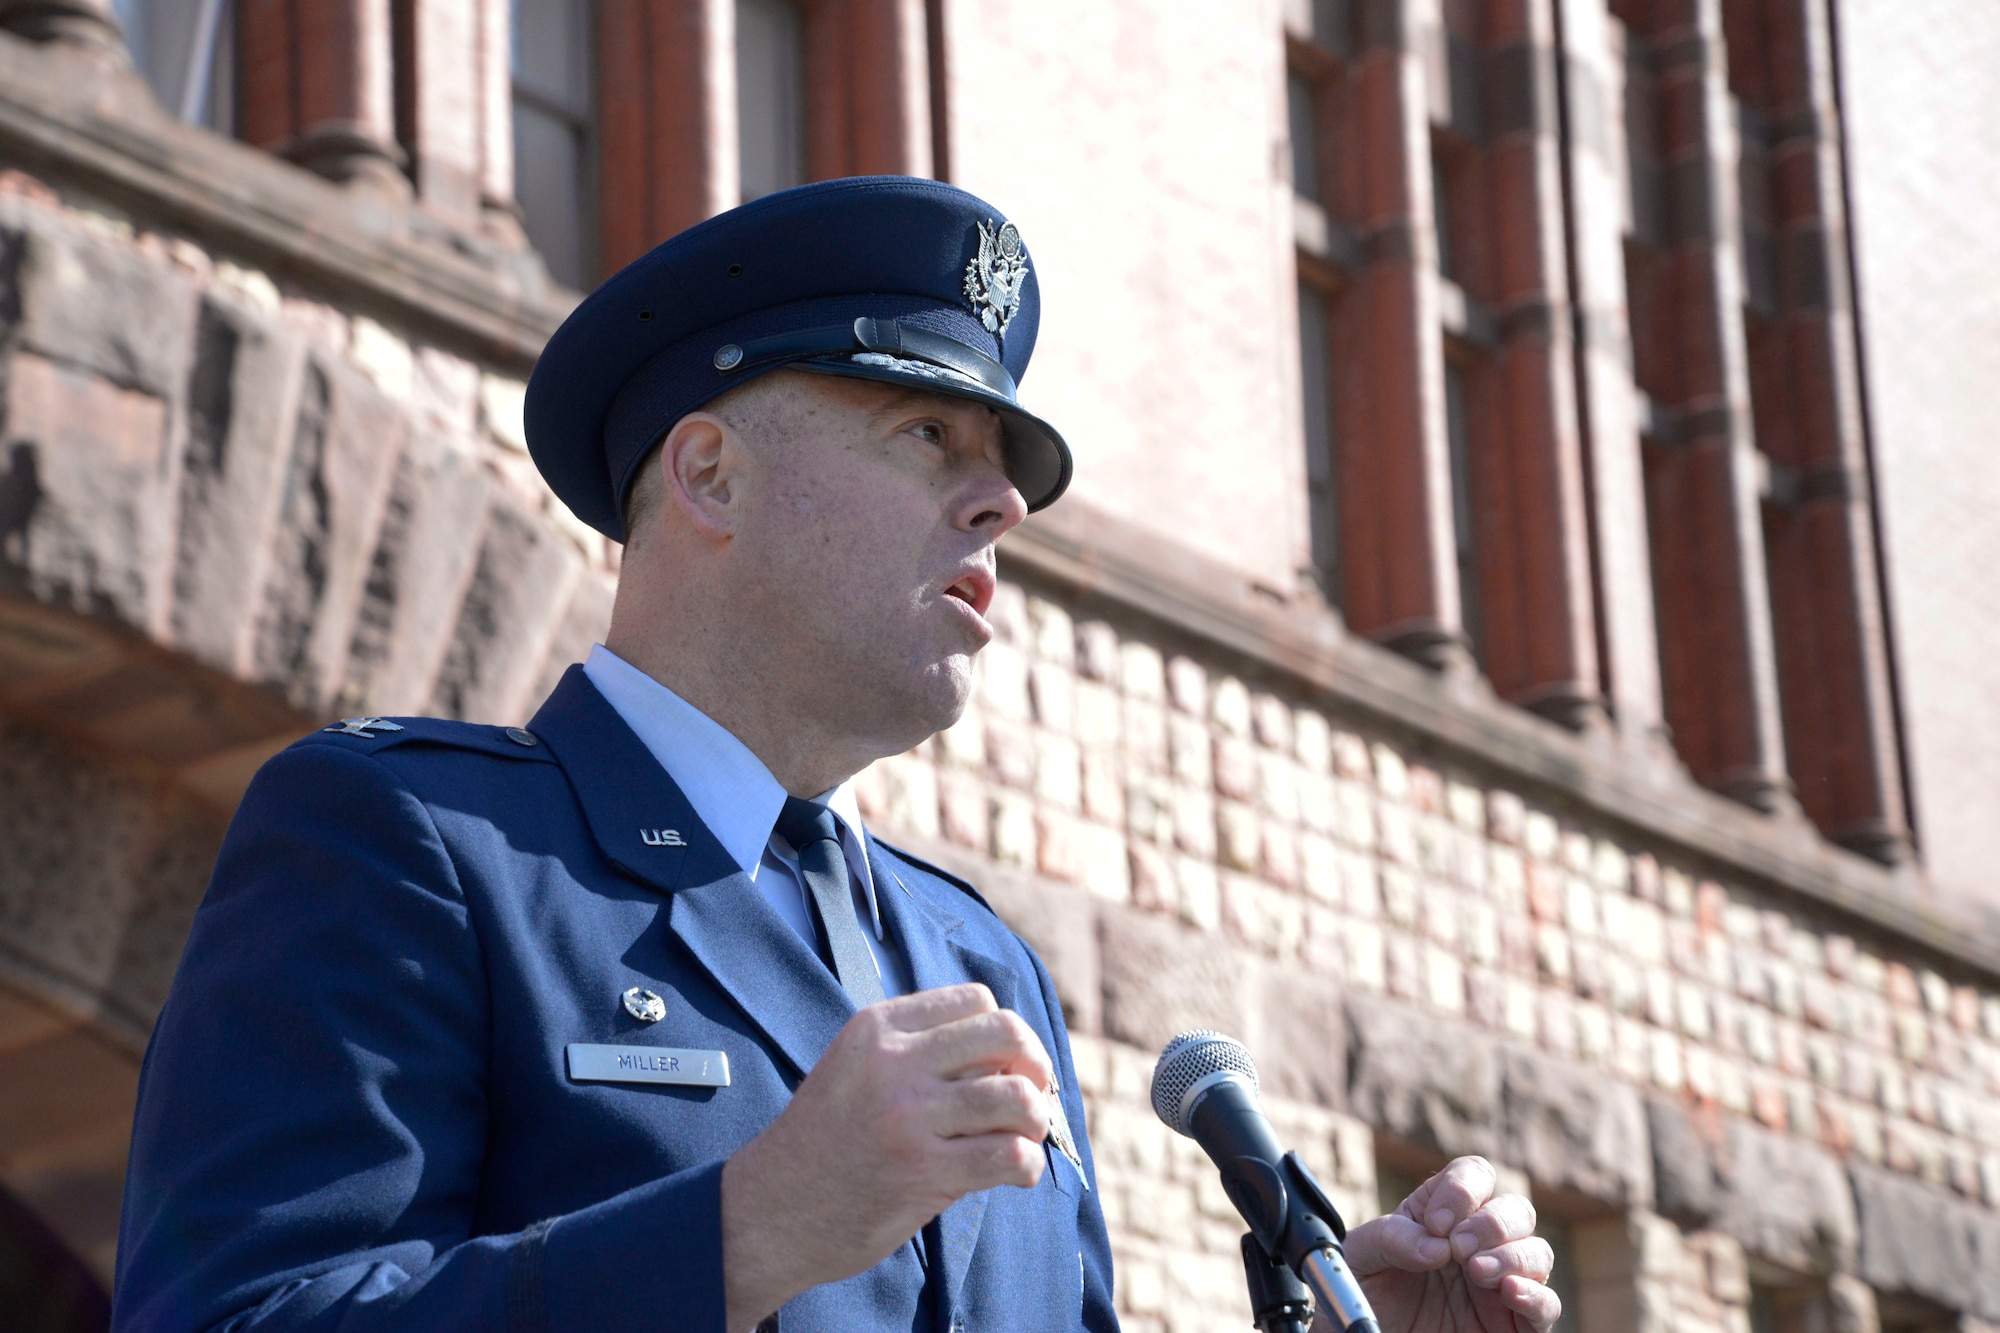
<point>43,1287</point>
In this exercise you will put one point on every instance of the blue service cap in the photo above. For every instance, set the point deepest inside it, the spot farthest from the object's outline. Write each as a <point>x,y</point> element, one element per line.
<point>889,278</point>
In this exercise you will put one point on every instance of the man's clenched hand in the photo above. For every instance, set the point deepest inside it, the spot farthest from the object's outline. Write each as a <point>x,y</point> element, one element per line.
<point>1457,1258</point>
<point>918,1102</point>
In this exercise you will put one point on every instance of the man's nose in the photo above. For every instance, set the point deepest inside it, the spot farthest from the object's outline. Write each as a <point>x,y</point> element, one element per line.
<point>991,506</point>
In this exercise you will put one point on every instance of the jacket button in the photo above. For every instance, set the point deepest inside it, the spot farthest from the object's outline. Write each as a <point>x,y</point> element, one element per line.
<point>521,736</point>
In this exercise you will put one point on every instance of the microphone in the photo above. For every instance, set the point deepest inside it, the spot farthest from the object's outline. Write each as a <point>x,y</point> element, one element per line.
<point>1205,1087</point>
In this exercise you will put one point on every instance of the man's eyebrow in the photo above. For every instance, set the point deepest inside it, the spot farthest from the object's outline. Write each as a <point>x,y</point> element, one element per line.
<point>905,397</point>
<point>902,398</point>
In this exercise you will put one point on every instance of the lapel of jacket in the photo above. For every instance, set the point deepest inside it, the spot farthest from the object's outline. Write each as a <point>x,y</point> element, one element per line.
<point>926,924</point>
<point>715,909</point>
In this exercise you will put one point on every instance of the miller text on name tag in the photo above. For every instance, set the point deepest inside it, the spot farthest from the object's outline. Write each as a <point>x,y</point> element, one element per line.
<point>647,1064</point>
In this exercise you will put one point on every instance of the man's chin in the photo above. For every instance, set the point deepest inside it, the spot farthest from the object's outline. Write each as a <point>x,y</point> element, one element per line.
<point>936,700</point>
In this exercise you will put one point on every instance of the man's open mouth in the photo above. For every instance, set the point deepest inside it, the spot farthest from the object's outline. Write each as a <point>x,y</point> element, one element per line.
<point>974,589</point>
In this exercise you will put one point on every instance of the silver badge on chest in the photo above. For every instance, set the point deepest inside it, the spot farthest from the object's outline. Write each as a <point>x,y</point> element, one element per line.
<point>644,1005</point>
<point>996,276</point>
<point>589,1063</point>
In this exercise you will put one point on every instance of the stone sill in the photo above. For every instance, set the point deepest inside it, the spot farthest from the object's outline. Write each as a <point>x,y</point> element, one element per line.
<point>1090,553</point>
<point>71,119</point>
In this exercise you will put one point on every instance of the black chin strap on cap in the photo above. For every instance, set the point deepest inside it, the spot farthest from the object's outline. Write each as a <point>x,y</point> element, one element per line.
<point>890,337</point>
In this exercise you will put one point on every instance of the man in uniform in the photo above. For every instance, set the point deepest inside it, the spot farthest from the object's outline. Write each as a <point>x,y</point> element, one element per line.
<point>621,1020</point>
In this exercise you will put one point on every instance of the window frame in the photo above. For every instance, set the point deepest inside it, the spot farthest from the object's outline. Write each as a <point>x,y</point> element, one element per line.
<point>580,119</point>
<point>1324,259</point>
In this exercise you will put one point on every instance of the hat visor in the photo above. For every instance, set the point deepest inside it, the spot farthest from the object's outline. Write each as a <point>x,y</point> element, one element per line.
<point>1038,460</point>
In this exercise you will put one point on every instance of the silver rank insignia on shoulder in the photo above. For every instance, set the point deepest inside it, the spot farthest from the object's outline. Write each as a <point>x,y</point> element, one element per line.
<point>661,837</point>
<point>363,726</point>
<point>995,277</point>
<point>644,1005</point>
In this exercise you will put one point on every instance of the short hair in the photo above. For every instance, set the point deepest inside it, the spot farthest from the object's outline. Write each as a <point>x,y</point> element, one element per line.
<point>648,490</point>
<point>642,501</point>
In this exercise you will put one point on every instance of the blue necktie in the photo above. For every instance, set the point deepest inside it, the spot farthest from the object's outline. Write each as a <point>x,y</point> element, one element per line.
<point>809,828</point>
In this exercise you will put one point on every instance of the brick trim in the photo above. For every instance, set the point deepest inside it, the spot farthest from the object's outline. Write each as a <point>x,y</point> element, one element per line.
<point>1805,381</point>
<point>666,89</point>
<point>1400,581</point>
<point>868,88</point>
<point>1718,659</point>
<point>317,85</point>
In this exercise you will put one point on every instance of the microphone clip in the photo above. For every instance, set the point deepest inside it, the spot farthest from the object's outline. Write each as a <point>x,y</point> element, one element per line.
<point>1288,1212</point>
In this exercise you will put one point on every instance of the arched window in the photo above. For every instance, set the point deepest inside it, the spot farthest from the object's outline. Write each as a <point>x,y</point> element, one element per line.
<point>44,1288</point>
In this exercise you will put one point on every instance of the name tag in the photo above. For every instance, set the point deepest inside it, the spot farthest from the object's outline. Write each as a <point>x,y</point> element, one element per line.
<point>647,1064</point>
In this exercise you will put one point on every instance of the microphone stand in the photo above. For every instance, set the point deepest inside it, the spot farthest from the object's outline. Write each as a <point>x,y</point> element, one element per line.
<point>1279,1302</point>
<point>1295,1226</point>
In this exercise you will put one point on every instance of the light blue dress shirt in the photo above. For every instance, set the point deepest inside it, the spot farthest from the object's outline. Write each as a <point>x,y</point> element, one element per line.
<point>738,799</point>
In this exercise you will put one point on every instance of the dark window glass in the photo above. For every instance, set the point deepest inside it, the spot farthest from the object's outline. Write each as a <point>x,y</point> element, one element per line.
<point>185,50</point>
<point>44,1286</point>
<point>1329,20</point>
<point>1315,383</point>
<point>1305,137</point>
<point>1763,1311</point>
<point>1441,211</point>
<point>1393,1186</point>
<point>553,135</point>
<point>1462,526</point>
<point>1757,209</point>
<point>1562,1277</point>
<point>770,95</point>
<point>1646,175</point>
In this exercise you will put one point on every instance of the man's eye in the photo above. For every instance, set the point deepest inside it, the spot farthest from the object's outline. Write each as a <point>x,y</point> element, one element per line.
<point>930,432</point>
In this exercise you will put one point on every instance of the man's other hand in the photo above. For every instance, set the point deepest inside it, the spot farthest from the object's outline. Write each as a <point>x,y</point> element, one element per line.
<point>1457,1258</point>
<point>918,1102</point>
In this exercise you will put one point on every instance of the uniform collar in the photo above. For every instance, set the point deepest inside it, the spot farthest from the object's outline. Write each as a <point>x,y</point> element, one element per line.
<point>730,788</point>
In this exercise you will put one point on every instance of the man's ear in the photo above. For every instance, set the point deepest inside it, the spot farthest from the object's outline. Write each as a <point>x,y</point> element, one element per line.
<point>702,458</point>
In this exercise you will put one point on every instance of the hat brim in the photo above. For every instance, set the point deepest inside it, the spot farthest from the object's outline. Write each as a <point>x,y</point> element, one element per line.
<point>1038,458</point>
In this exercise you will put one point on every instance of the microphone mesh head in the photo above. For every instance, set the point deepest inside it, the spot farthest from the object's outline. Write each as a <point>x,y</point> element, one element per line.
<point>1187,1060</point>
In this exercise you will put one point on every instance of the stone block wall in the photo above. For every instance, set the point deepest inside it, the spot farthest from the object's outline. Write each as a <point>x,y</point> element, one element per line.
<point>229,509</point>
<point>1417,951</point>
<point>279,490</point>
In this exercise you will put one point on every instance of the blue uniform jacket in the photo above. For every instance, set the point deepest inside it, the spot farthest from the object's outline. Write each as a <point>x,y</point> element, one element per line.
<point>355,1112</point>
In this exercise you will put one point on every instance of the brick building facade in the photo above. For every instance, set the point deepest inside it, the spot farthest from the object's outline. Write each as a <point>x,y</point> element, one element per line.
<point>1518,650</point>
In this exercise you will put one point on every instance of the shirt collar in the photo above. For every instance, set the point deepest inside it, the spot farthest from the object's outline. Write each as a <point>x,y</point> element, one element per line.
<point>729,787</point>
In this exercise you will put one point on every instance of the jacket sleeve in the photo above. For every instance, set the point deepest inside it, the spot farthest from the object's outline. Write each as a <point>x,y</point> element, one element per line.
<point>307,1150</point>
<point>1099,1313</point>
